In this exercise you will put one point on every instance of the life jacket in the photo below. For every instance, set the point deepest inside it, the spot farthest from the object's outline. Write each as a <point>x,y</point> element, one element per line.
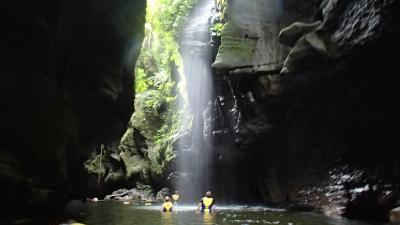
<point>175,197</point>
<point>167,207</point>
<point>207,203</point>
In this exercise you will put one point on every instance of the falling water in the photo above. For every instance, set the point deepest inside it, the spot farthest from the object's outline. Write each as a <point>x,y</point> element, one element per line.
<point>194,153</point>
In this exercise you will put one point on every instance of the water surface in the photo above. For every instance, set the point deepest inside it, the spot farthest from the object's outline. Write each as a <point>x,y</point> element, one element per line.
<point>115,213</point>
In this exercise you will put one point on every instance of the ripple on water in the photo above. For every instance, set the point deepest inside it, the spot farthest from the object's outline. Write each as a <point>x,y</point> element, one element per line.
<point>218,208</point>
<point>114,213</point>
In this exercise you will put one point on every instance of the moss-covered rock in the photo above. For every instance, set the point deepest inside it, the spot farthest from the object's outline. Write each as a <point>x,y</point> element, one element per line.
<point>134,164</point>
<point>148,146</point>
<point>235,50</point>
<point>96,164</point>
<point>249,39</point>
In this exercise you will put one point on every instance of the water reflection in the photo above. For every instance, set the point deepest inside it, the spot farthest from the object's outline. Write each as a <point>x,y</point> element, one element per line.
<point>167,219</point>
<point>115,213</point>
<point>208,218</point>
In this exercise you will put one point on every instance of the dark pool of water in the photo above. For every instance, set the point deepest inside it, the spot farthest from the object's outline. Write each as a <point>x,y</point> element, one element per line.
<point>116,213</point>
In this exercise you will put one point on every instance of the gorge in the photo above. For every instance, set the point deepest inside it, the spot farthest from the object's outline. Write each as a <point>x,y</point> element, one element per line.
<point>301,112</point>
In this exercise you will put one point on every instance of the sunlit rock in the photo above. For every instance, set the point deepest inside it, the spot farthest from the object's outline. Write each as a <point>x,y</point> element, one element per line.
<point>250,38</point>
<point>235,50</point>
<point>291,34</point>
<point>131,155</point>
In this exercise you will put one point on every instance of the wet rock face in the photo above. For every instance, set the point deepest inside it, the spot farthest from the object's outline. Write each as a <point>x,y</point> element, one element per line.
<point>357,22</point>
<point>336,107</point>
<point>250,36</point>
<point>344,27</point>
<point>247,67</point>
<point>66,85</point>
<point>250,52</point>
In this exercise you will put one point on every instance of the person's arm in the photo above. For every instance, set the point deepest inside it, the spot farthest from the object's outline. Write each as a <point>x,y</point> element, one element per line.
<point>199,206</point>
<point>212,209</point>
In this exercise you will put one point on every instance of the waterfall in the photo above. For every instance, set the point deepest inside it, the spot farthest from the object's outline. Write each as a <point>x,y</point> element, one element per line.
<point>193,153</point>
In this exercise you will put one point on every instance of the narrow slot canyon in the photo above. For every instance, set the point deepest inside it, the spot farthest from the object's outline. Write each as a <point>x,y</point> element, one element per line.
<point>285,110</point>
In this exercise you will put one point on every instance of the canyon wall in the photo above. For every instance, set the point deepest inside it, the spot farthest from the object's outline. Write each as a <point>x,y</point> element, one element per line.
<point>66,87</point>
<point>307,105</point>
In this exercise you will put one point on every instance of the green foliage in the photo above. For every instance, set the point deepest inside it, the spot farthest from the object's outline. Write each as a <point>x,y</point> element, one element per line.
<point>157,115</point>
<point>95,164</point>
<point>141,82</point>
<point>218,25</point>
<point>222,5</point>
<point>217,28</point>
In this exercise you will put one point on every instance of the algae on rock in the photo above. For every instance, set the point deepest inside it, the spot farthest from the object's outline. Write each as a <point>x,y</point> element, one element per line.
<point>235,51</point>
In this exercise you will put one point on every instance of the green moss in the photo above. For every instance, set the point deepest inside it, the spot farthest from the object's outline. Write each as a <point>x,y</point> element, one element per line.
<point>217,28</point>
<point>235,49</point>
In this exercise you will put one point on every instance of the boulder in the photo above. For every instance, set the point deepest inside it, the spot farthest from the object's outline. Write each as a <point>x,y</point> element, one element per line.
<point>162,193</point>
<point>291,34</point>
<point>395,215</point>
<point>308,50</point>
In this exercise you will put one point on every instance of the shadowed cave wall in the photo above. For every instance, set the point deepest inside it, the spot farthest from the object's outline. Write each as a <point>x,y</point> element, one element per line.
<point>66,86</point>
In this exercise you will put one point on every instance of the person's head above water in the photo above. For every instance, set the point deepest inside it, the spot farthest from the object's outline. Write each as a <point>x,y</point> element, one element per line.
<point>166,198</point>
<point>74,210</point>
<point>208,194</point>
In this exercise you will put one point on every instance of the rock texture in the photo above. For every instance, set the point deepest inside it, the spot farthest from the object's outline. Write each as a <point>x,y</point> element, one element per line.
<point>247,68</point>
<point>140,193</point>
<point>321,133</point>
<point>250,36</point>
<point>395,215</point>
<point>66,86</point>
<point>343,28</point>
